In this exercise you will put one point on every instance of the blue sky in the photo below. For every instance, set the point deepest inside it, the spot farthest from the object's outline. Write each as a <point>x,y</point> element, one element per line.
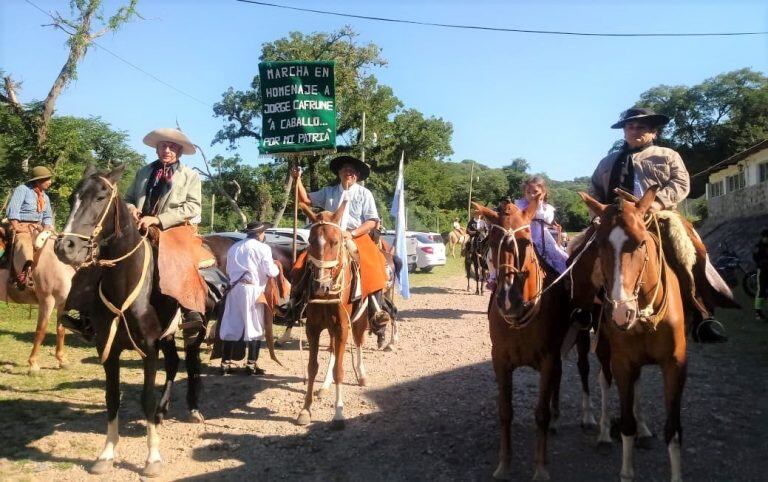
<point>549,99</point>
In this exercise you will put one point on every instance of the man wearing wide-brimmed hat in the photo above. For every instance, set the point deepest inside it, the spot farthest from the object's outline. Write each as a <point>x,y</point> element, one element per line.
<point>29,212</point>
<point>635,167</point>
<point>166,194</point>
<point>359,219</point>
<point>249,266</point>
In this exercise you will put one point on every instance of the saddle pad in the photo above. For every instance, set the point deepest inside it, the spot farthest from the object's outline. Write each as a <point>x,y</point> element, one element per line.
<point>180,252</point>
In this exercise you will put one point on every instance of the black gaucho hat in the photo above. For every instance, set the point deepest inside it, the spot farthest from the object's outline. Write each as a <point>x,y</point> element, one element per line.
<point>363,168</point>
<point>641,113</point>
<point>256,227</point>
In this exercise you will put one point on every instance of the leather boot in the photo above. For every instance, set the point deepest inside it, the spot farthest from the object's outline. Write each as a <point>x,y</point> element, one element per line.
<point>192,326</point>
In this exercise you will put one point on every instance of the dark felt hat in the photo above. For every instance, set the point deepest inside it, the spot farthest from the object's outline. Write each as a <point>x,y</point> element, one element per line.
<point>641,113</point>
<point>256,227</point>
<point>363,168</point>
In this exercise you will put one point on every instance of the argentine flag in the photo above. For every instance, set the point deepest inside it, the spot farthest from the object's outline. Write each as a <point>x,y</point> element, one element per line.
<point>398,212</point>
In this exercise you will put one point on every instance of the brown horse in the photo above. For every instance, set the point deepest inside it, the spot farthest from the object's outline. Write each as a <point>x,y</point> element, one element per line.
<point>454,239</point>
<point>52,281</point>
<point>643,318</point>
<point>329,266</point>
<point>527,319</point>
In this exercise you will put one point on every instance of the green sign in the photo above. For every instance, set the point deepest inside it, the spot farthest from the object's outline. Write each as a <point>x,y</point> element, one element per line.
<point>299,107</point>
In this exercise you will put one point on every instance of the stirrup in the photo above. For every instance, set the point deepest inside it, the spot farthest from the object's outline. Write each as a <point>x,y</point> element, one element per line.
<point>713,334</point>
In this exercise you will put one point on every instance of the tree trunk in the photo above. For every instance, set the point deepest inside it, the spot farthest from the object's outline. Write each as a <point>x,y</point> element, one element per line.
<point>286,197</point>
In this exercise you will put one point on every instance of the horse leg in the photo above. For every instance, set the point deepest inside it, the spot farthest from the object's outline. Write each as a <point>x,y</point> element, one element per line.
<point>339,343</point>
<point>503,373</point>
<point>674,381</point>
<point>154,464</point>
<point>549,377</point>
<point>313,339</point>
<point>106,459</point>
<point>171,362</point>
<point>44,310</point>
<point>60,336</point>
<point>323,390</point>
<point>582,349</point>
<point>626,378</point>
<point>644,434</point>
<point>194,382</point>
<point>606,378</point>
<point>286,336</point>
<point>358,332</point>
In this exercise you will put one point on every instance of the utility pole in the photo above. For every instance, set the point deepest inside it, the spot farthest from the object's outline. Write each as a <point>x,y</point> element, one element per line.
<point>213,208</point>
<point>362,141</point>
<point>469,201</point>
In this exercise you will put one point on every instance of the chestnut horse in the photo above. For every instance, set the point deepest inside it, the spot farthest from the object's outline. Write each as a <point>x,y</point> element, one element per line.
<point>528,321</point>
<point>329,267</point>
<point>643,318</point>
<point>52,280</point>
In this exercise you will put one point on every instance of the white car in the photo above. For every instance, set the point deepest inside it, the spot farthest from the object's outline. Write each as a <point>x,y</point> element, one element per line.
<point>284,237</point>
<point>429,248</point>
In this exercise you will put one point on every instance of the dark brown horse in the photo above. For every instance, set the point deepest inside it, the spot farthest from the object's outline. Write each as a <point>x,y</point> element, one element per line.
<point>475,264</point>
<point>329,267</point>
<point>528,322</point>
<point>643,319</point>
<point>130,312</point>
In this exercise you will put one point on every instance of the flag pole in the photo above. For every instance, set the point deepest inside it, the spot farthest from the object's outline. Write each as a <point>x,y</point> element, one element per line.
<point>295,213</point>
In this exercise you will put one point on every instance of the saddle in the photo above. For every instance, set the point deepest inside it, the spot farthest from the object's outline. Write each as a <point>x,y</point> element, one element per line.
<point>180,257</point>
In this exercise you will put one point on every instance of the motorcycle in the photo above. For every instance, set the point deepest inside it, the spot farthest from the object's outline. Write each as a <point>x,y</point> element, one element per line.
<point>729,265</point>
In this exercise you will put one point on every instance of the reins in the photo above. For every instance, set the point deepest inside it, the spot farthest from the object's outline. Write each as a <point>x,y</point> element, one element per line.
<point>92,259</point>
<point>338,280</point>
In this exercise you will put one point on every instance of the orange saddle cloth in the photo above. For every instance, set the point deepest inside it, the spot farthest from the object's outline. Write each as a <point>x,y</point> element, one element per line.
<point>180,255</point>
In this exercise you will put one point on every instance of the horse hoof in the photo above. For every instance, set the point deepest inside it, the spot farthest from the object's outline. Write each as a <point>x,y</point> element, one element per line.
<point>589,428</point>
<point>604,446</point>
<point>339,424</point>
<point>644,443</point>
<point>389,347</point>
<point>34,371</point>
<point>304,418</point>
<point>195,417</point>
<point>64,365</point>
<point>321,392</point>
<point>502,472</point>
<point>363,382</point>
<point>153,469</point>
<point>540,474</point>
<point>102,466</point>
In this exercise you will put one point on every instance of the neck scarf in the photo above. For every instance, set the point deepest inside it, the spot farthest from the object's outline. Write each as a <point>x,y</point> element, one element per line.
<point>159,184</point>
<point>40,198</point>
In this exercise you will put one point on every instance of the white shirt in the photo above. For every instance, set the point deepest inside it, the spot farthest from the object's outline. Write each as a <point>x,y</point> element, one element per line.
<point>360,205</point>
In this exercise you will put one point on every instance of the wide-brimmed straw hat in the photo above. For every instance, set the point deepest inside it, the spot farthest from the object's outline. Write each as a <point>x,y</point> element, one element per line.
<point>170,135</point>
<point>641,113</point>
<point>363,168</point>
<point>40,172</point>
<point>256,227</point>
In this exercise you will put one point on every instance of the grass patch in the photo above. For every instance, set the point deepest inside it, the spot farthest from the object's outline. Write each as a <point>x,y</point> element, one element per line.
<point>439,274</point>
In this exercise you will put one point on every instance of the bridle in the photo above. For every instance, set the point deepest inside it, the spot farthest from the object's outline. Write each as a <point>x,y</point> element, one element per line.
<point>648,315</point>
<point>336,277</point>
<point>92,240</point>
<point>92,258</point>
<point>533,305</point>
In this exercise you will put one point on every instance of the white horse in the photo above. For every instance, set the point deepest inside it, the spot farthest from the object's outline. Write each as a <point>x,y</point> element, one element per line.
<point>52,281</point>
<point>455,239</point>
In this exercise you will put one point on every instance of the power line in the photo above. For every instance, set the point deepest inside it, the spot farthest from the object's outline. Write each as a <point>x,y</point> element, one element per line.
<point>502,29</point>
<point>127,62</point>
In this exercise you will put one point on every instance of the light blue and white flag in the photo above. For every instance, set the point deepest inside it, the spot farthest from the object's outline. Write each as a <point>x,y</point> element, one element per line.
<point>398,212</point>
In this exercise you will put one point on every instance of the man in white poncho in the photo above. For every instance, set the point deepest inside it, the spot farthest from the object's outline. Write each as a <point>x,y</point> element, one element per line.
<point>249,266</point>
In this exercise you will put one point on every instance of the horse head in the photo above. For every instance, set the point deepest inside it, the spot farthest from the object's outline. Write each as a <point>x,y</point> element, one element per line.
<point>623,246</point>
<point>92,218</point>
<point>325,252</point>
<point>518,274</point>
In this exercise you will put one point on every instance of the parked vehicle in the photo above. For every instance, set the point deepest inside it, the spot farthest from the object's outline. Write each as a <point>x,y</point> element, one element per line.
<point>429,248</point>
<point>730,267</point>
<point>410,244</point>
<point>276,237</point>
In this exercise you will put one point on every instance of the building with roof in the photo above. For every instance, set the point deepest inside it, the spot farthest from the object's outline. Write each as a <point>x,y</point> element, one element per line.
<point>738,185</point>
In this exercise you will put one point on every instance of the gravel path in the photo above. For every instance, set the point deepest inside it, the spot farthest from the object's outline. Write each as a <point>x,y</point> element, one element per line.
<point>429,414</point>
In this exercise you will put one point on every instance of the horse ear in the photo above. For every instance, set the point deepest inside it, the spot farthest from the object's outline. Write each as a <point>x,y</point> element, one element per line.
<point>339,212</point>
<point>490,214</point>
<point>308,211</point>
<point>90,170</point>
<point>593,203</point>
<point>645,202</point>
<point>530,211</point>
<point>115,174</point>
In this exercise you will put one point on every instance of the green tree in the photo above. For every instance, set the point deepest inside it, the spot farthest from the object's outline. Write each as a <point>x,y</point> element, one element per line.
<point>712,120</point>
<point>516,173</point>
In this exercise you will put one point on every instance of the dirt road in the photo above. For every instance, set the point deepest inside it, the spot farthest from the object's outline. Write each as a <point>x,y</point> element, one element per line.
<point>429,414</point>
